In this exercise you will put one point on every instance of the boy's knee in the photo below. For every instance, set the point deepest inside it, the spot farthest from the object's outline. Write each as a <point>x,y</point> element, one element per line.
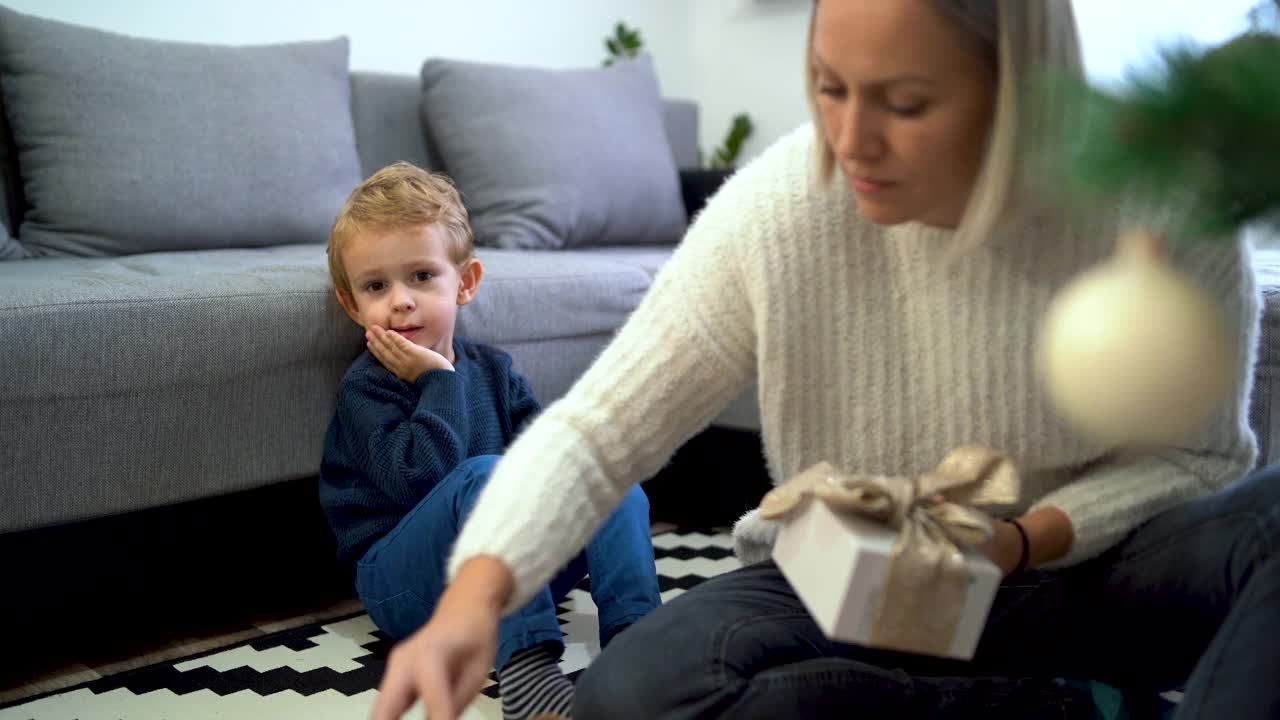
<point>468,479</point>
<point>636,500</point>
<point>472,473</point>
<point>480,466</point>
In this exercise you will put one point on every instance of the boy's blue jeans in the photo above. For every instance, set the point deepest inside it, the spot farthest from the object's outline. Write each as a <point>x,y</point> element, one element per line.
<point>403,574</point>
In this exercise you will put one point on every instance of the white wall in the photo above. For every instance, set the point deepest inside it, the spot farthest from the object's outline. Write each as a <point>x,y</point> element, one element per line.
<point>729,55</point>
<point>1119,33</point>
<point>750,52</point>
<point>397,35</point>
<point>750,58</point>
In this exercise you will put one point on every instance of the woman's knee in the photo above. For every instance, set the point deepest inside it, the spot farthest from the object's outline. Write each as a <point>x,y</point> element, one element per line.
<point>1258,495</point>
<point>635,677</point>
<point>1266,481</point>
<point>690,656</point>
<point>1247,518</point>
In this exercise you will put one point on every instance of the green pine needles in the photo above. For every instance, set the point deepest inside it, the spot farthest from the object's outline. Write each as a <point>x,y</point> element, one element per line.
<point>1200,130</point>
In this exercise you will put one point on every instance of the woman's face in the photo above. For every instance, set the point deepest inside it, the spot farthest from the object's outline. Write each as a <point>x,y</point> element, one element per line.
<point>907,98</point>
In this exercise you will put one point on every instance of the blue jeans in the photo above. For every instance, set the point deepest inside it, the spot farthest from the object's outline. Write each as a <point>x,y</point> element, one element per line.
<point>403,574</point>
<point>1192,596</point>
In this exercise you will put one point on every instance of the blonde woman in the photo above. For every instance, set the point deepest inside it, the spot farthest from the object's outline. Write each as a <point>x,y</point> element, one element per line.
<point>880,275</point>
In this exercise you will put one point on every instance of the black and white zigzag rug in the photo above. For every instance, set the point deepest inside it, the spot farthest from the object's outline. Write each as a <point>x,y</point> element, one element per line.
<point>332,670</point>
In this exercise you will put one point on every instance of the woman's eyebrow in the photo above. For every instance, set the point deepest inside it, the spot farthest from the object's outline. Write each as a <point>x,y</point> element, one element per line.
<point>881,83</point>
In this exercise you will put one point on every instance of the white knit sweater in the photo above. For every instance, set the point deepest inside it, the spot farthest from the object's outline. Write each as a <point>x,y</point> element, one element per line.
<point>871,350</point>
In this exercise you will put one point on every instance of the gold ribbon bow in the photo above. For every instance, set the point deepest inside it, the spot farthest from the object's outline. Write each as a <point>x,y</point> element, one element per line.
<point>928,579</point>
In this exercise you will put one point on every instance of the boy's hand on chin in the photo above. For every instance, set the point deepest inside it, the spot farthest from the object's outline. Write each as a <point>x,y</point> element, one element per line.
<point>399,355</point>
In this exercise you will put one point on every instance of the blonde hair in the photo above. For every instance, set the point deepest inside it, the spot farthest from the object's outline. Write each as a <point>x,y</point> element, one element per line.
<point>400,195</point>
<point>1023,39</point>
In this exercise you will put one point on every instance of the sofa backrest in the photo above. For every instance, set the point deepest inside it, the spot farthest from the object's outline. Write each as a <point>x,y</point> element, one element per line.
<point>386,109</point>
<point>388,120</point>
<point>11,202</point>
<point>387,114</point>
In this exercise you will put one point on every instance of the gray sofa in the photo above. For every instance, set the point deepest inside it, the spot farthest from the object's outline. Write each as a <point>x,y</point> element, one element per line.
<point>144,380</point>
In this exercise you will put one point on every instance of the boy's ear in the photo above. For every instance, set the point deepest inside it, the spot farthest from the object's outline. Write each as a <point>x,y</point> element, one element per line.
<point>348,303</point>
<point>470,272</point>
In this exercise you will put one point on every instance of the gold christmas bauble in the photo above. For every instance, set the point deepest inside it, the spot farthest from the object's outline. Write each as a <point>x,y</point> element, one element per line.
<point>1132,352</point>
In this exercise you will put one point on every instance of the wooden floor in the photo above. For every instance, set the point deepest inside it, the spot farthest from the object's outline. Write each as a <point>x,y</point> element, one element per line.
<point>105,596</point>
<point>95,658</point>
<point>111,660</point>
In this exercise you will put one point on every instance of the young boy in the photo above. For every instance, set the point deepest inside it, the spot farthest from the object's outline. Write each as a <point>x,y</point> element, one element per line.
<point>421,418</point>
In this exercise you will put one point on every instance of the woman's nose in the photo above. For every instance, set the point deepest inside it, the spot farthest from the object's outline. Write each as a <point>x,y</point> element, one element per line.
<point>859,138</point>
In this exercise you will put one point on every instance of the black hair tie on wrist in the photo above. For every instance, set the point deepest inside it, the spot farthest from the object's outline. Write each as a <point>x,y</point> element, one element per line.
<point>1026,546</point>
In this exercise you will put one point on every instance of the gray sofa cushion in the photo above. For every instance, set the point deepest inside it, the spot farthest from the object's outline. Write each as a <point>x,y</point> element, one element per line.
<point>10,192</point>
<point>386,108</point>
<point>531,295</point>
<point>130,145</point>
<point>649,258</point>
<point>9,248</point>
<point>554,312</point>
<point>556,158</point>
<point>152,379</point>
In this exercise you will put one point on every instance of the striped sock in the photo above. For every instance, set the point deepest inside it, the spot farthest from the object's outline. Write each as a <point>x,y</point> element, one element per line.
<point>532,684</point>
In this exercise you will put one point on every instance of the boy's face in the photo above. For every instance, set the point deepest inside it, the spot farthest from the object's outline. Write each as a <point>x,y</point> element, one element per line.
<point>403,279</point>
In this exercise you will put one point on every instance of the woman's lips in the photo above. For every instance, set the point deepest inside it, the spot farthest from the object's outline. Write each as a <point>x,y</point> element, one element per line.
<point>870,186</point>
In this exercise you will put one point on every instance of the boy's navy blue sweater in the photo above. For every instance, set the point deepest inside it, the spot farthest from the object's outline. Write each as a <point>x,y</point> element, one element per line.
<point>390,442</point>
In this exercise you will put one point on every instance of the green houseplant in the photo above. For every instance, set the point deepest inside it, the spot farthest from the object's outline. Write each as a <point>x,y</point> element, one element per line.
<point>726,156</point>
<point>624,44</point>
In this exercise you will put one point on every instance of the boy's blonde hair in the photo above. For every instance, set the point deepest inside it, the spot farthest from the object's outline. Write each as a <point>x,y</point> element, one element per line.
<point>1022,39</point>
<point>400,195</point>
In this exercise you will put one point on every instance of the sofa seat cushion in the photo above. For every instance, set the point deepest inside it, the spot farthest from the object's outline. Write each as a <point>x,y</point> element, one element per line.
<point>148,380</point>
<point>649,258</point>
<point>152,379</point>
<point>534,295</point>
<point>112,325</point>
<point>554,311</point>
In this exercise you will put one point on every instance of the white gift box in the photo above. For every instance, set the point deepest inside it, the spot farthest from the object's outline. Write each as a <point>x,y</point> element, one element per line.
<point>838,564</point>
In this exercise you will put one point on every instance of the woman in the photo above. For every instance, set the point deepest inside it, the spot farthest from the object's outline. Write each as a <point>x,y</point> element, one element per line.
<point>881,276</point>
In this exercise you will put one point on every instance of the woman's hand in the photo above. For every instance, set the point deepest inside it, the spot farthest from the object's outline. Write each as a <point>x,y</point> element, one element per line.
<point>401,356</point>
<point>1049,537</point>
<point>448,660</point>
<point>1004,548</point>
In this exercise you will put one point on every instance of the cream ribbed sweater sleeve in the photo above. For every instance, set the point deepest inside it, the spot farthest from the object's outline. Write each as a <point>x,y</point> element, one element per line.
<point>687,350</point>
<point>1114,497</point>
